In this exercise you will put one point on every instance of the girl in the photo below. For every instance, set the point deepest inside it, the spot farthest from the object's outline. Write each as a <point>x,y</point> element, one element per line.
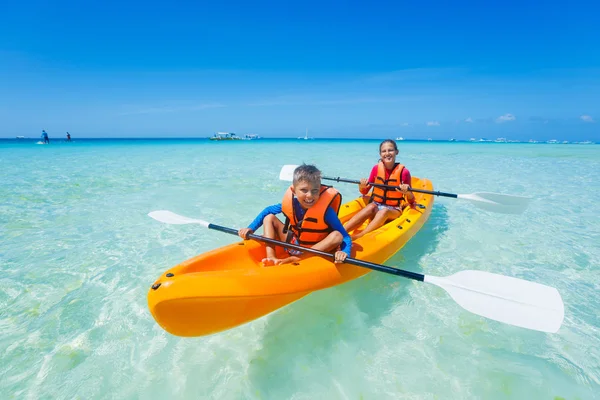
<point>385,203</point>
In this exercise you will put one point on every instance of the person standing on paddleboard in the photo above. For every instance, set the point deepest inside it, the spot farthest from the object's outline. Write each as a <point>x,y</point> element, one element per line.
<point>45,137</point>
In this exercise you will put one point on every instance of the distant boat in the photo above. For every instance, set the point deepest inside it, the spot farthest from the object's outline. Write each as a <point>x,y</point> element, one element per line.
<point>250,137</point>
<point>532,141</point>
<point>500,140</point>
<point>225,136</point>
<point>305,136</point>
<point>452,140</point>
<point>400,138</point>
<point>429,139</point>
<point>20,137</point>
<point>472,139</point>
<point>552,141</point>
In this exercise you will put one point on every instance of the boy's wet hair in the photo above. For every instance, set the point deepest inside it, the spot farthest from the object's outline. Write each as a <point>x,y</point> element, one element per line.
<point>307,173</point>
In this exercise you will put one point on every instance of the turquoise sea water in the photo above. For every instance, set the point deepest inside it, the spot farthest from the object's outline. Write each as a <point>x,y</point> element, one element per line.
<point>78,254</point>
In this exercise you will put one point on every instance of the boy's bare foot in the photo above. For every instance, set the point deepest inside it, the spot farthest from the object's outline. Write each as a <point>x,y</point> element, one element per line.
<point>271,261</point>
<point>290,259</point>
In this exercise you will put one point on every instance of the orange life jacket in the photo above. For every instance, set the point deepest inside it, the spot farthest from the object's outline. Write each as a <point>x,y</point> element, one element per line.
<point>389,197</point>
<point>313,228</point>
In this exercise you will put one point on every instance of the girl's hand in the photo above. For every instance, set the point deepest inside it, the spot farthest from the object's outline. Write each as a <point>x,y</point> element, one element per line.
<point>364,184</point>
<point>243,233</point>
<point>340,257</point>
<point>403,188</point>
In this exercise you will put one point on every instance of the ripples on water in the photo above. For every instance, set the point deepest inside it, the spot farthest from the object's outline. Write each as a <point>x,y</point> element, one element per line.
<point>78,254</point>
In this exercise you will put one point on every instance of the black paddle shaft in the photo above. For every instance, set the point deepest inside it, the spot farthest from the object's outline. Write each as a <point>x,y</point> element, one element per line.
<point>391,187</point>
<point>365,264</point>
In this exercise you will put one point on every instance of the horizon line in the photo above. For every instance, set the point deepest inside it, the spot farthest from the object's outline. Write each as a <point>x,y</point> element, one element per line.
<point>449,140</point>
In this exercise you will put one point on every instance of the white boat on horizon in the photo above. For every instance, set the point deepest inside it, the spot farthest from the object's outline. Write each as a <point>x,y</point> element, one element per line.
<point>305,136</point>
<point>400,138</point>
<point>225,136</point>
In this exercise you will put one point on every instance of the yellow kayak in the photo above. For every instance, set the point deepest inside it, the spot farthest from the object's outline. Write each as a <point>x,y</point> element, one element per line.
<point>228,286</point>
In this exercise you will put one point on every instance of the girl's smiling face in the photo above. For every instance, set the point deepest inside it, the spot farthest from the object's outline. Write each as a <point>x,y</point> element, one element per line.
<point>388,153</point>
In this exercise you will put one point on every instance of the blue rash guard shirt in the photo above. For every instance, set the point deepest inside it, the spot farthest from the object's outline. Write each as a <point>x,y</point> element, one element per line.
<point>331,219</point>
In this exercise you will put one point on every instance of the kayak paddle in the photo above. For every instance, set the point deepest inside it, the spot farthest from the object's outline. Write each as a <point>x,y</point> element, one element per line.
<point>501,203</point>
<point>510,300</point>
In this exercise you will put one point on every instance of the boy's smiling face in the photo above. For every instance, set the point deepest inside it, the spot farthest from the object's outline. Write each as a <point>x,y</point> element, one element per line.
<point>307,193</point>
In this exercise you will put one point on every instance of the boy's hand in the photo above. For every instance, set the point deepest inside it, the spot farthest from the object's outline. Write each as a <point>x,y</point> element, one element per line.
<point>340,257</point>
<point>243,233</point>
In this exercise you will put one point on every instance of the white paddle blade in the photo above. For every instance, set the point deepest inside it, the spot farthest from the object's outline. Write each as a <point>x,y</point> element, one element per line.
<point>287,173</point>
<point>496,202</point>
<point>169,217</point>
<point>502,298</point>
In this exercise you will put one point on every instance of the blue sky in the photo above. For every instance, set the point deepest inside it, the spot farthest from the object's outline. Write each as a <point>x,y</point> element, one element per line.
<point>341,69</point>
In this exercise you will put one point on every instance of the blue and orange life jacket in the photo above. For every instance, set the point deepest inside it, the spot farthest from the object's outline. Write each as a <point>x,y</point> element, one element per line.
<point>312,228</point>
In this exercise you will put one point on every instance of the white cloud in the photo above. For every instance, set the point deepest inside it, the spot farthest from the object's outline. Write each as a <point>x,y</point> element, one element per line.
<point>587,118</point>
<point>505,118</point>
<point>469,120</point>
<point>170,109</point>
<point>414,74</point>
<point>310,101</point>
<point>433,123</point>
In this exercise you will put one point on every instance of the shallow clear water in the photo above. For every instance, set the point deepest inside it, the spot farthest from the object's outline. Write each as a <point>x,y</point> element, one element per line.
<point>78,254</point>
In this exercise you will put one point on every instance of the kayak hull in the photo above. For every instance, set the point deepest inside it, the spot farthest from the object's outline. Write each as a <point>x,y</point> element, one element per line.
<point>228,286</point>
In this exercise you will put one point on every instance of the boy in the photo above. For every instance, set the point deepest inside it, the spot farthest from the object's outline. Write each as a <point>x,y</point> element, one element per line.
<point>311,219</point>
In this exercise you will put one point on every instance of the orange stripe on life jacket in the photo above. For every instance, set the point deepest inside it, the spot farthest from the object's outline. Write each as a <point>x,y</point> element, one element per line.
<point>389,197</point>
<point>313,228</point>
